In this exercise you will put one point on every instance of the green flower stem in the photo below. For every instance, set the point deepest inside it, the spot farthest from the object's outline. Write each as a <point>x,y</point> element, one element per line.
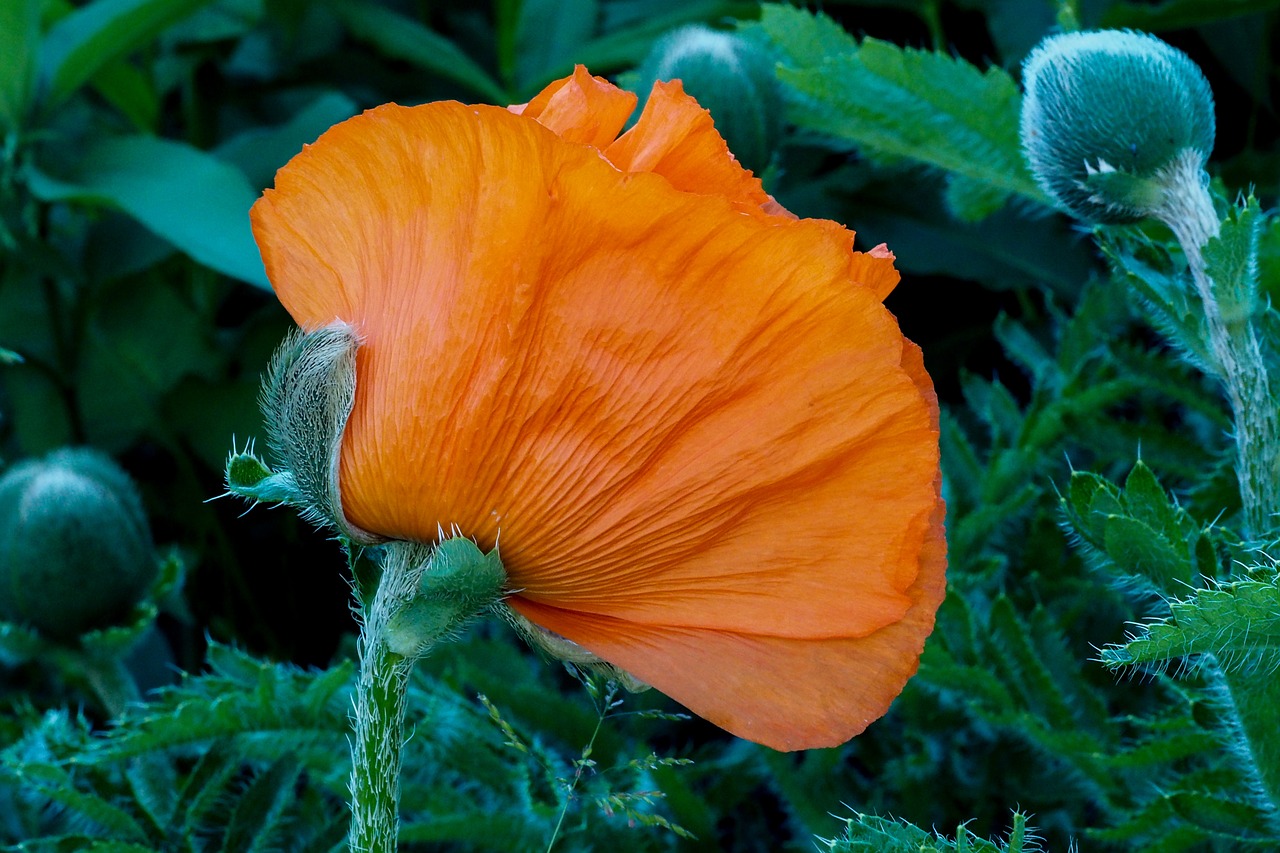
<point>105,676</point>
<point>1252,694</point>
<point>424,593</point>
<point>1188,210</point>
<point>379,713</point>
<point>375,775</point>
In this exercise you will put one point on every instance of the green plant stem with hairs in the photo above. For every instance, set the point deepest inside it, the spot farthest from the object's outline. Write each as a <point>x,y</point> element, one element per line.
<point>379,717</point>
<point>1188,210</point>
<point>1250,694</point>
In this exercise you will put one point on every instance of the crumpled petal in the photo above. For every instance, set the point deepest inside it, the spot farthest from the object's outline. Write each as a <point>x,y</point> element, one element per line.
<point>581,108</point>
<point>685,427</point>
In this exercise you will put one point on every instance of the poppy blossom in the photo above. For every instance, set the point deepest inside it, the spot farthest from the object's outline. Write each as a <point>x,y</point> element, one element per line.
<point>708,453</point>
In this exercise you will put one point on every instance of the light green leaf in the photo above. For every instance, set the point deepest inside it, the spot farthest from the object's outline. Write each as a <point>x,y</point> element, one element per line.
<point>1237,622</point>
<point>89,38</point>
<point>892,102</point>
<point>19,44</point>
<point>870,834</point>
<point>187,196</point>
<point>399,37</point>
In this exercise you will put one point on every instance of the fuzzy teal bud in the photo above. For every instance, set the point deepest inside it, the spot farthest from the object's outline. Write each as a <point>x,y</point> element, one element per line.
<point>457,582</point>
<point>729,76</point>
<point>1111,120</point>
<point>75,546</point>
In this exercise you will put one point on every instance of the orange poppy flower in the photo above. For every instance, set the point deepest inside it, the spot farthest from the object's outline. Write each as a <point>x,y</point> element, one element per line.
<point>709,454</point>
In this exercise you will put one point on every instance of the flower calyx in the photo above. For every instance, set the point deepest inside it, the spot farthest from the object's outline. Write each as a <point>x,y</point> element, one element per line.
<point>1111,120</point>
<point>444,587</point>
<point>306,400</point>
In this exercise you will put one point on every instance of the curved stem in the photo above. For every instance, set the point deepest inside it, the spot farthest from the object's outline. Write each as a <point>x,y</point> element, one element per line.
<point>1188,210</point>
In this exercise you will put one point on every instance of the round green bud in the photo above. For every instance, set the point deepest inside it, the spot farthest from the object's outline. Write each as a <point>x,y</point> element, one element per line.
<point>75,547</point>
<point>1106,117</point>
<point>730,77</point>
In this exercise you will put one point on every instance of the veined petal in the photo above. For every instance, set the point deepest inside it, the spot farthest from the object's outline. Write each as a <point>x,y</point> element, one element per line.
<point>581,108</point>
<point>672,414</point>
<point>784,693</point>
<point>676,138</point>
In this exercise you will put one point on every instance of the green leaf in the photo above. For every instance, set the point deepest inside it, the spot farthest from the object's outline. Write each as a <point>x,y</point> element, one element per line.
<point>1179,14</point>
<point>1237,622</point>
<point>19,45</point>
<point>1231,261</point>
<point>971,199</point>
<point>92,36</point>
<point>628,46</point>
<point>58,786</point>
<point>139,344</point>
<point>256,823</point>
<point>869,834</point>
<point>1138,549</point>
<point>131,92</point>
<point>549,35</point>
<point>399,37</point>
<point>1229,818</point>
<point>260,151</point>
<point>187,196</point>
<point>891,102</point>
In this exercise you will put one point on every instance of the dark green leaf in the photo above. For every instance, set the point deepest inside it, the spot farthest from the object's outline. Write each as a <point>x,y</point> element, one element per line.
<point>400,37</point>
<point>259,152</point>
<point>255,824</point>
<point>19,45</point>
<point>94,35</point>
<point>185,195</point>
<point>1179,14</point>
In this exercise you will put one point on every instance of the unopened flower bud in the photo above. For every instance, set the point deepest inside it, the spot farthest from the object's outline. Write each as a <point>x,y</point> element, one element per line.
<point>1111,118</point>
<point>730,77</point>
<point>75,546</point>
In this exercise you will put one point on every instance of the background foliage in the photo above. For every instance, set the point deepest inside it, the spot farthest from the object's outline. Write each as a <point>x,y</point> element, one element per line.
<point>1086,455</point>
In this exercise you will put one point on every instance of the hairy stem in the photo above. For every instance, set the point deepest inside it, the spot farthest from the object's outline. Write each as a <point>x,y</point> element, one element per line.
<point>1252,694</point>
<point>1188,211</point>
<point>380,709</point>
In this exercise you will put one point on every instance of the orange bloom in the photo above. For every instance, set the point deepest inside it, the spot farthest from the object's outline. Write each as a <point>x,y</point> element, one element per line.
<point>708,453</point>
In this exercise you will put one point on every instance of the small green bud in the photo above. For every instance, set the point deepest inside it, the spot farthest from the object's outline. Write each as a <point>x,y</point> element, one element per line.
<point>75,546</point>
<point>459,581</point>
<point>1108,117</point>
<point>732,78</point>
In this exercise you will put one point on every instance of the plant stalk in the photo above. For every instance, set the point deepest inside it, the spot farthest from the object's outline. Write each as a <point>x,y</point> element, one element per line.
<point>1253,692</point>
<point>379,713</point>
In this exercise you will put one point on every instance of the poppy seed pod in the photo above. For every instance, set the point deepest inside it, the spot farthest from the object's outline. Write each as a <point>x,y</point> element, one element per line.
<point>732,78</point>
<point>1106,117</point>
<point>75,546</point>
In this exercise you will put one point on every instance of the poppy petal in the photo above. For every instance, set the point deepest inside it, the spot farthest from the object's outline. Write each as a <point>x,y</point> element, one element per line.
<point>581,108</point>
<point>676,138</point>
<point>657,404</point>
<point>670,416</point>
<point>784,693</point>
